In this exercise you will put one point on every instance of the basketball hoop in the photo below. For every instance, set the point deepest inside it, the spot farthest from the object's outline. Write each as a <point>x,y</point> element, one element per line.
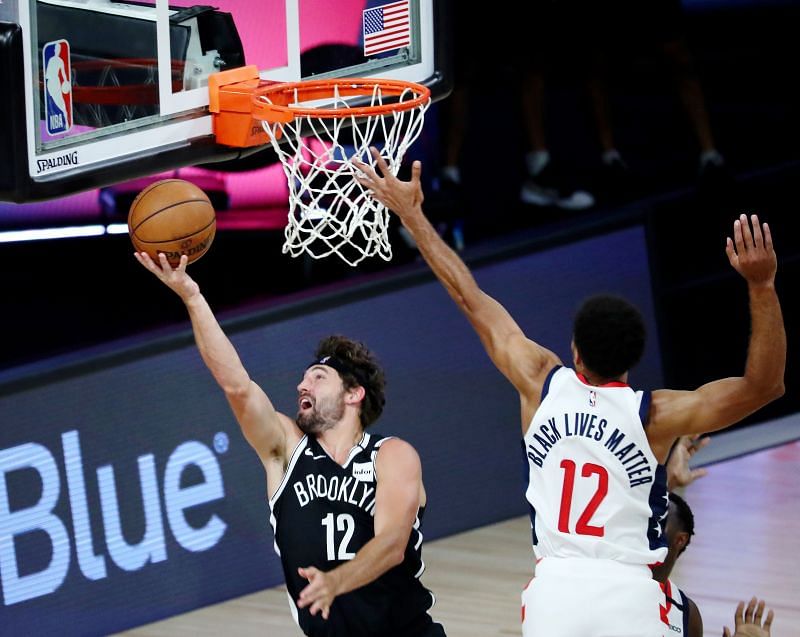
<point>329,211</point>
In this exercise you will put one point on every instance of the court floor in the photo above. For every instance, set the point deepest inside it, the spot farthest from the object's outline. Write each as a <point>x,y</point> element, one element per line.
<point>747,542</point>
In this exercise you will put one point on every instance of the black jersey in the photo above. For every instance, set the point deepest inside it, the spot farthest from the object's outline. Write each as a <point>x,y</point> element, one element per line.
<point>322,514</point>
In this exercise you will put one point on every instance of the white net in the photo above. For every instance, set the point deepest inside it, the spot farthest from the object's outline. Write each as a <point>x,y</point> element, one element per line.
<point>329,211</point>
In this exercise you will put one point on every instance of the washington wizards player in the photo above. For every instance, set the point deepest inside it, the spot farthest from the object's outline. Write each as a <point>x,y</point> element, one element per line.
<point>593,446</point>
<point>678,611</point>
<point>346,505</point>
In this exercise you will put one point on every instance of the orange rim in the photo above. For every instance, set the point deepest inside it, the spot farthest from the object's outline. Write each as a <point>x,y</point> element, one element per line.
<point>282,96</point>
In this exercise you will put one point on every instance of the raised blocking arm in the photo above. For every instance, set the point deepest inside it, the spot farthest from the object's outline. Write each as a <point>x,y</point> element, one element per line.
<point>523,361</point>
<point>723,402</point>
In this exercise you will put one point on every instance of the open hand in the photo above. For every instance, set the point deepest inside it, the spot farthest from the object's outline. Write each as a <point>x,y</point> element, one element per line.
<point>320,591</point>
<point>678,472</point>
<point>750,252</point>
<point>748,620</point>
<point>399,196</point>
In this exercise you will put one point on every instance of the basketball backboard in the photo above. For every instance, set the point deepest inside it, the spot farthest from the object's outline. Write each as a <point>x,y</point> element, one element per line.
<point>100,92</point>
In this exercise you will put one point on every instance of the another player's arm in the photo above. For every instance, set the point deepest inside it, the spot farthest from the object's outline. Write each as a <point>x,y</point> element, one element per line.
<point>524,362</point>
<point>397,502</point>
<point>724,402</point>
<point>695,620</point>
<point>261,424</point>
<point>679,473</point>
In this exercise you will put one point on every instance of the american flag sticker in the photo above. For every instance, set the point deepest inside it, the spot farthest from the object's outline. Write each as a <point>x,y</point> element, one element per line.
<point>387,27</point>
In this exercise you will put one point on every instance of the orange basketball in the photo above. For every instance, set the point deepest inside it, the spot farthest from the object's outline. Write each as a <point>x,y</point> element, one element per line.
<point>172,216</point>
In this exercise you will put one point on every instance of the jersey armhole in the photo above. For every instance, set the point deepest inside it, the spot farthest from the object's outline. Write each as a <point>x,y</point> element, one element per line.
<point>298,450</point>
<point>546,384</point>
<point>374,455</point>
<point>644,408</point>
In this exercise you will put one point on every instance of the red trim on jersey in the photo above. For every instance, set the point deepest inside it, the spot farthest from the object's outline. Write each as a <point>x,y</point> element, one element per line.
<point>529,583</point>
<point>522,610</point>
<point>666,587</point>
<point>613,383</point>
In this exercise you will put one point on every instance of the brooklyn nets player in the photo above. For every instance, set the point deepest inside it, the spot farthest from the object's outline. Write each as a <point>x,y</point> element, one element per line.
<point>346,505</point>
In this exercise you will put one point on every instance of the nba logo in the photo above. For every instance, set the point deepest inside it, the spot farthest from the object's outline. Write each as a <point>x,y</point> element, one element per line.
<point>592,398</point>
<point>57,87</point>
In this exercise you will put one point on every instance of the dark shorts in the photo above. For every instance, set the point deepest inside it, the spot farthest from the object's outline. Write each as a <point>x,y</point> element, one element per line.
<point>434,630</point>
<point>425,627</point>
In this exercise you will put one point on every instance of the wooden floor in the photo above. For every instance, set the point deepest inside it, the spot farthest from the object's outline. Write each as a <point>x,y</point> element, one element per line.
<point>747,542</point>
<point>747,539</point>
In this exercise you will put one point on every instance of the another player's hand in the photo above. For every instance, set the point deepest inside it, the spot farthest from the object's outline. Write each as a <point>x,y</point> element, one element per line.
<point>750,252</point>
<point>175,279</point>
<point>399,196</point>
<point>748,620</point>
<point>320,591</point>
<point>678,472</point>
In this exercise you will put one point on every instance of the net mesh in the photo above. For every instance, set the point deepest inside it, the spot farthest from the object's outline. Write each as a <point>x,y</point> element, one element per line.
<point>329,211</point>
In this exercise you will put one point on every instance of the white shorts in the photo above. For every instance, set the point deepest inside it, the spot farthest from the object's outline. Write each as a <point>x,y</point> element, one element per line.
<point>574,597</point>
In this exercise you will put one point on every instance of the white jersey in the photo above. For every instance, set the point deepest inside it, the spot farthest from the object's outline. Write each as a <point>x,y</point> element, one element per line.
<point>593,484</point>
<point>675,609</point>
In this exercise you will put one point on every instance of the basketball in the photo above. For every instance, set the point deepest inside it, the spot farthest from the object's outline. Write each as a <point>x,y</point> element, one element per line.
<point>172,216</point>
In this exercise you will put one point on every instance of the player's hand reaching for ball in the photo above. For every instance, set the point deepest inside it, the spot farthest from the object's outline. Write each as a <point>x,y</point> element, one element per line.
<point>402,197</point>
<point>175,279</point>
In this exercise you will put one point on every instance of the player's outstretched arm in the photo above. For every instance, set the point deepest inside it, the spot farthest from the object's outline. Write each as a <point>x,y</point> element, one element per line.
<point>724,402</point>
<point>524,362</point>
<point>747,621</point>
<point>261,425</point>
<point>397,501</point>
